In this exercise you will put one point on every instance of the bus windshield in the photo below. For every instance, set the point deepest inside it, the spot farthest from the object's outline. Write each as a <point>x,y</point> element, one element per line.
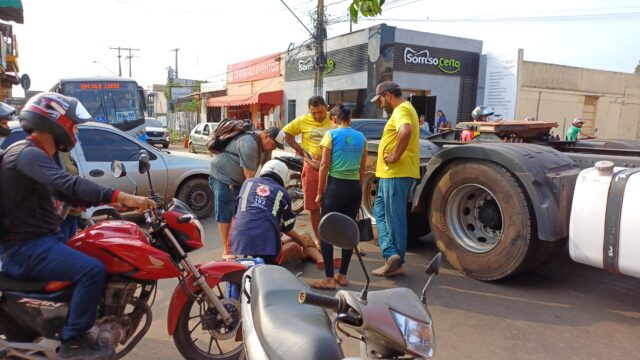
<point>112,102</point>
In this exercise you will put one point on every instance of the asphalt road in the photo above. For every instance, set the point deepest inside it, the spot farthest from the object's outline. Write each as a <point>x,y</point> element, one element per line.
<point>563,310</point>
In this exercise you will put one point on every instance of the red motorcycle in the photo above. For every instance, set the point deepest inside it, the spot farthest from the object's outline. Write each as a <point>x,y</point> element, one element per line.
<point>203,320</point>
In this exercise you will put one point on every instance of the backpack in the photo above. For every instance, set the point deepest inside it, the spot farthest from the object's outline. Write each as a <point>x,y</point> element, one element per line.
<point>227,130</point>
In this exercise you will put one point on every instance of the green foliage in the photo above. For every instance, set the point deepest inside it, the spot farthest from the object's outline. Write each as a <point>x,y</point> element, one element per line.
<point>638,68</point>
<point>366,8</point>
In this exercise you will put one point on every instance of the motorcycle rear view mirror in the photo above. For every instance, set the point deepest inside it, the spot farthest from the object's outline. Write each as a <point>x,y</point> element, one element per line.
<point>434,266</point>
<point>342,231</point>
<point>117,169</point>
<point>143,162</point>
<point>339,230</point>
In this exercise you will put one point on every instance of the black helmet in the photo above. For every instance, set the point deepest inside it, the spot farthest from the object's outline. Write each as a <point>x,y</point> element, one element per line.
<point>481,111</point>
<point>6,113</point>
<point>54,114</point>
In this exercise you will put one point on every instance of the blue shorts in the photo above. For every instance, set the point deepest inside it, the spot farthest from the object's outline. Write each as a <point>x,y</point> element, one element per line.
<point>225,196</point>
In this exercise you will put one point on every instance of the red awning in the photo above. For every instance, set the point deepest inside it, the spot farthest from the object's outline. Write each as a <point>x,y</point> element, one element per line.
<point>232,100</point>
<point>271,97</point>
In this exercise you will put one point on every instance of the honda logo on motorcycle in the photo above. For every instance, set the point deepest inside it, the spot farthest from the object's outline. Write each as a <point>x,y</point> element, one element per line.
<point>40,303</point>
<point>446,65</point>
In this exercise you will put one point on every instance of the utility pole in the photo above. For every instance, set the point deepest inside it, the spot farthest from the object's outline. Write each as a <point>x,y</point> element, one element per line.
<point>176,50</point>
<point>320,36</point>
<point>120,57</point>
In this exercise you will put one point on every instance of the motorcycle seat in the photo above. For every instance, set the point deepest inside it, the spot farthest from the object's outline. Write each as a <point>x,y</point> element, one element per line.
<point>287,329</point>
<point>8,283</point>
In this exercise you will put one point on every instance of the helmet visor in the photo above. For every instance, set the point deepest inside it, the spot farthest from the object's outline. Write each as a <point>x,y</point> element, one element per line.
<point>82,114</point>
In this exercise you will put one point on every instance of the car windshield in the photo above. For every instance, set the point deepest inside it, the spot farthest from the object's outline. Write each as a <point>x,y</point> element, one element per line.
<point>153,123</point>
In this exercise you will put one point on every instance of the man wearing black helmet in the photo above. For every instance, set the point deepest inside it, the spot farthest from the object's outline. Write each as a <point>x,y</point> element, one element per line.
<point>33,190</point>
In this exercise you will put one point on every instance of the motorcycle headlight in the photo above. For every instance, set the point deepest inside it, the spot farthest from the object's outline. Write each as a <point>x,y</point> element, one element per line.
<point>418,335</point>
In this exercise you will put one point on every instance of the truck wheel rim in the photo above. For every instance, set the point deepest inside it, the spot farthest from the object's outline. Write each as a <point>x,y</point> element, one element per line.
<point>370,194</point>
<point>475,218</point>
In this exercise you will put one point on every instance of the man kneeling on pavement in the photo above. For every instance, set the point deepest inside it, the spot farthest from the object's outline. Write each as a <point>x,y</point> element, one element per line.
<point>263,212</point>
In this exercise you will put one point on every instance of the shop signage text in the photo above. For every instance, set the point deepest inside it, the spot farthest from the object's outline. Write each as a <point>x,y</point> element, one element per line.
<point>308,65</point>
<point>446,65</point>
<point>257,69</point>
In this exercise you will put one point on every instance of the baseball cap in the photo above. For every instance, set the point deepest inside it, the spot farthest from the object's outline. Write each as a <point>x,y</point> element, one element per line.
<point>383,87</point>
<point>277,135</point>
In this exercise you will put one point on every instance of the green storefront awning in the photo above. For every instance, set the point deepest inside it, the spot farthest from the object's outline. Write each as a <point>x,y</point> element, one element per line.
<point>11,10</point>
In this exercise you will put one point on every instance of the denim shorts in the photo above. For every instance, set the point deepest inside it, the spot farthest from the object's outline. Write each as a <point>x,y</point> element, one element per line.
<point>225,197</point>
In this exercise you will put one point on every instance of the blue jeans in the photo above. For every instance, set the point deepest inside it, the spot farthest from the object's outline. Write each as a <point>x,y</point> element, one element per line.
<point>225,197</point>
<point>390,211</point>
<point>49,258</point>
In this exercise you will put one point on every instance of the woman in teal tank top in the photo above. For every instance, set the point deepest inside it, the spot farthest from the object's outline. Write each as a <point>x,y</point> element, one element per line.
<point>344,155</point>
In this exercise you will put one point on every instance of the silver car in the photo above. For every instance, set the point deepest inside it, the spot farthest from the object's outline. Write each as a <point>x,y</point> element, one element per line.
<point>180,175</point>
<point>156,133</point>
<point>199,136</point>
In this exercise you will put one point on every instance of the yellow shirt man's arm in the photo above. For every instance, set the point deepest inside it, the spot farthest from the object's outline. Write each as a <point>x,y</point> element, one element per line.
<point>291,130</point>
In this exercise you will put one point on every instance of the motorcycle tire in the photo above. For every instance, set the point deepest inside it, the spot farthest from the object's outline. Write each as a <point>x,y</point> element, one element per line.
<point>189,349</point>
<point>295,183</point>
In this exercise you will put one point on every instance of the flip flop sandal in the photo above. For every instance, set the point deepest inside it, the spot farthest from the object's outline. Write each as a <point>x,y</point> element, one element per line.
<point>320,286</point>
<point>341,283</point>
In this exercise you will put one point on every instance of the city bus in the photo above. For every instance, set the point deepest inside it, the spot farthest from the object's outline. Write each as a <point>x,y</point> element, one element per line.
<point>116,101</point>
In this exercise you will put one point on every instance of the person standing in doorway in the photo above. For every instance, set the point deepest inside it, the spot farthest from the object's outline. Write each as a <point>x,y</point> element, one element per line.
<point>423,124</point>
<point>397,167</point>
<point>312,127</point>
<point>342,168</point>
<point>441,123</point>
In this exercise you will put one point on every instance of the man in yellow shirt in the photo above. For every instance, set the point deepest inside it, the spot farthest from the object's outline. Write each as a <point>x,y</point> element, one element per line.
<point>398,167</point>
<point>312,126</point>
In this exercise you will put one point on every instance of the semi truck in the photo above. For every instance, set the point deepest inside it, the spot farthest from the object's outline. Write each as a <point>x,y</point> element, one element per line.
<point>501,203</point>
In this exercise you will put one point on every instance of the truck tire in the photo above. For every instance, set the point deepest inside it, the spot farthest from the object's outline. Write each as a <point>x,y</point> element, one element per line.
<point>197,194</point>
<point>482,221</point>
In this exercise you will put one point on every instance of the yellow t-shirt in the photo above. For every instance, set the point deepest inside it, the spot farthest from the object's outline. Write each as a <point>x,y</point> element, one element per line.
<point>312,133</point>
<point>409,163</point>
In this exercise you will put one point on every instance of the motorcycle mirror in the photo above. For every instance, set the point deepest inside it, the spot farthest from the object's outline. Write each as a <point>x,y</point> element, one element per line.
<point>117,169</point>
<point>432,269</point>
<point>339,230</point>
<point>342,231</point>
<point>434,266</point>
<point>143,162</point>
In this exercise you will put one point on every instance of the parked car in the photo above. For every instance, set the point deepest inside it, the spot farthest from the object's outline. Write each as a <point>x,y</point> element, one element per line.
<point>156,133</point>
<point>199,135</point>
<point>180,175</point>
<point>372,128</point>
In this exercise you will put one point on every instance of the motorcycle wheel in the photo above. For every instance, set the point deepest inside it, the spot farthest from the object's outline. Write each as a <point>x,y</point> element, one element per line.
<point>295,183</point>
<point>202,335</point>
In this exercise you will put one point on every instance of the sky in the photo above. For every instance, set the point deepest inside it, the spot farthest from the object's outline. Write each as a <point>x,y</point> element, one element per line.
<point>72,38</point>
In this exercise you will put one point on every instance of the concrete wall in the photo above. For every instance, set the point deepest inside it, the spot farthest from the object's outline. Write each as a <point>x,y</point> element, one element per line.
<point>440,86</point>
<point>557,93</point>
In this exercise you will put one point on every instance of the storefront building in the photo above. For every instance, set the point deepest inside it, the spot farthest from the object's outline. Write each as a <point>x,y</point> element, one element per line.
<point>254,91</point>
<point>434,71</point>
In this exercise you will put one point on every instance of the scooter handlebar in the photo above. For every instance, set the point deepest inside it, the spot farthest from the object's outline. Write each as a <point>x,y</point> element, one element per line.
<point>324,301</point>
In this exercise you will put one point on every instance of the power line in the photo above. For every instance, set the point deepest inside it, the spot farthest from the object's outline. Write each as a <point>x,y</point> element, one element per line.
<point>556,18</point>
<point>296,16</point>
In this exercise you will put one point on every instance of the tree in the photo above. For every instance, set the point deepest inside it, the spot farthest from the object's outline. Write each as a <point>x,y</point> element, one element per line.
<point>366,8</point>
<point>638,68</point>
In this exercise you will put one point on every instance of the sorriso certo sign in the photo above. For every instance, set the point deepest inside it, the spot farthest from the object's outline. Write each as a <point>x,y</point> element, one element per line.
<point>446,65</point>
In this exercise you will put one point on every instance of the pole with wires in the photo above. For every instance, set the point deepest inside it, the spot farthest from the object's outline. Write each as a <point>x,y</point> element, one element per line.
<point>320,36</point>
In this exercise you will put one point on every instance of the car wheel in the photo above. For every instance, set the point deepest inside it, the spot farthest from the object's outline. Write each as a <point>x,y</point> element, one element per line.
<point>165,145</point>
<point>197,194</point>
<point>192,149</point>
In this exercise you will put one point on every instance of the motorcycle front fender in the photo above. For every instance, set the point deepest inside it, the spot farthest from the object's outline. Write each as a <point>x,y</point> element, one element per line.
<point>214,272</point>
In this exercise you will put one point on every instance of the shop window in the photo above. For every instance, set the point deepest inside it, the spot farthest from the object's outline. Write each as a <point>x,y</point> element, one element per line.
<point>291,113</point>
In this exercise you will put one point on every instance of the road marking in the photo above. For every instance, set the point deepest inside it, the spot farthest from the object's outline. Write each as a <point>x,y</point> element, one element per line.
<point>504,297</point>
